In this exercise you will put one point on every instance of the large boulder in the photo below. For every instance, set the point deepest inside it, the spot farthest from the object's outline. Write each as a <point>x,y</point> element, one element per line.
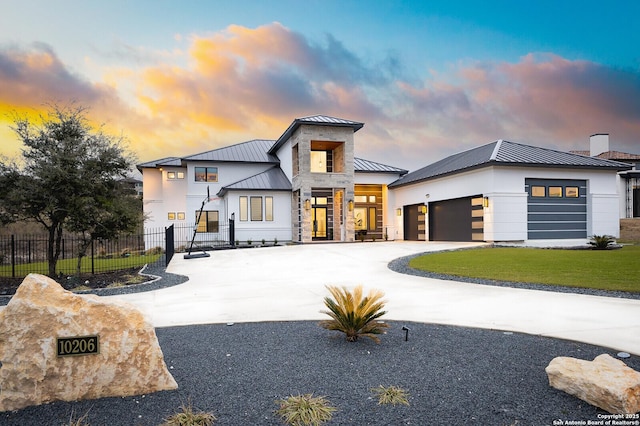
<point>32,372</point>
<point>605,382</point>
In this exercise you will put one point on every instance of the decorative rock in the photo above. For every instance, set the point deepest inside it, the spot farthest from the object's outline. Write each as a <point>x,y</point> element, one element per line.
<point>129,362</point>
<point>605,382</point>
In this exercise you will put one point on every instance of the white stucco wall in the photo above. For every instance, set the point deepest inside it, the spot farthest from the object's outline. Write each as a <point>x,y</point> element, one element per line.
<point>279,228</point>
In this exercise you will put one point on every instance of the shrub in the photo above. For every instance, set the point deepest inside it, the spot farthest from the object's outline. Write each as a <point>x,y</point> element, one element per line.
<point>391,395</point>
<point>155,250</point>
<point>188,417</point>
<point>353,314</point>
<point>275,241</point>
<point>263,241</point>
<point>601,242</point>
<point>303,410</point>
<point>249,242</point>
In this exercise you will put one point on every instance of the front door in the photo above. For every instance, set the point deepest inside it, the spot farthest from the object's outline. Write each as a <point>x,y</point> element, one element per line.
<point>319,217</point>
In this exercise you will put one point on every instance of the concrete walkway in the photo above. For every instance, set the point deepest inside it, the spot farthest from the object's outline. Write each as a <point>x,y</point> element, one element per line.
<point>288,283</point>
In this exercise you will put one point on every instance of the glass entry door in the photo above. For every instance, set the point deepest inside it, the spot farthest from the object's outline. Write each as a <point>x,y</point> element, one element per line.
<point>319,217</point>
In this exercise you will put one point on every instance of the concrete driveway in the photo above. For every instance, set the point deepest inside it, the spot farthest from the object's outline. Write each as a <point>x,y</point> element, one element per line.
<point>288,283</point>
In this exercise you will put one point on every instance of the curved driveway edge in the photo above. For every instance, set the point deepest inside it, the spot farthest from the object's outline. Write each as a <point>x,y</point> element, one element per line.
<point>288,283</point>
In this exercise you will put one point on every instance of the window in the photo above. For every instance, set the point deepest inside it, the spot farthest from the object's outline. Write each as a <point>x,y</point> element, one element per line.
<point>372,198</point>
<point>208,221</point>
<point>268,209</point>
<point>256,209</point>
<point>244,209</point>
<point>171,216</point>
<point>372,218</point>
<point>360,198</point>
<point>294,160</point>
<point>571,192</point>
<point>555,191</point>
<point>538,191</point>
<point>206,174</point>
<point>181,216</point>
<point>319,162</point>
<point>360,218</point>
<point>175,175</point>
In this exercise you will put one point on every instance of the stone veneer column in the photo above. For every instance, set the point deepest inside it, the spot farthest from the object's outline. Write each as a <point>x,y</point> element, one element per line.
<point>305,180</point>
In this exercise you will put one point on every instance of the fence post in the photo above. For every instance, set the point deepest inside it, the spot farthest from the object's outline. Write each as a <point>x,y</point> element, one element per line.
<point>232,230</point>
<point>93,271</point>
<point>13,256</point>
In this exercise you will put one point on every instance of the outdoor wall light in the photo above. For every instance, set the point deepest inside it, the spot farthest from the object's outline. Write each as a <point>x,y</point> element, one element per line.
<point>398,212</point>
<point>485,201</point>
<point>424,209</point>
<point>350,205</point>
<point>307,204</point>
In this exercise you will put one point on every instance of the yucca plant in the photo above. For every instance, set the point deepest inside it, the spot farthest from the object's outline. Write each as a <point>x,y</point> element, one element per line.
<point>305,410</point>
<point>601,242</point>
<point>391,395</point>
<point>354,314</point>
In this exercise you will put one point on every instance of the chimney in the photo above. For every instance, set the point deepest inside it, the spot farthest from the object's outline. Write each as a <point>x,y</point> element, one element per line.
<point>599,143</point>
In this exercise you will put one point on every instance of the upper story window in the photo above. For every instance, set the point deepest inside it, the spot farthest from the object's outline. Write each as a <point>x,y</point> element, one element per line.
<point>327,157</point>
<point>175,175</point>
<point>321,161</point>
<point>206,174</point>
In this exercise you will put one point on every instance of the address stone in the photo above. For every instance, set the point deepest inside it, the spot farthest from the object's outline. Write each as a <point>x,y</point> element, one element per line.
<point>127,362</point>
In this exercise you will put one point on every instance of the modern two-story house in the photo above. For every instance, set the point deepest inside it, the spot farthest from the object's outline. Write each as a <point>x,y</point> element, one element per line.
<point>308,186</point>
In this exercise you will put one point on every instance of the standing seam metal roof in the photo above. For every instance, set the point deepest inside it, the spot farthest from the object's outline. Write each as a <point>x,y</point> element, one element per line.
<point>322,120</point>
<point>506,153</point>
<point>254,151</point>
<point>362,165</point>
<point>273,179</point>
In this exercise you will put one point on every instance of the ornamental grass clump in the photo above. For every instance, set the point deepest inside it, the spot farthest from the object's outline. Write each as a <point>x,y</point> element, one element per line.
<point>188,417</point>
<point>305,410</point>
<point>354,314</point>
<point>391,395</point>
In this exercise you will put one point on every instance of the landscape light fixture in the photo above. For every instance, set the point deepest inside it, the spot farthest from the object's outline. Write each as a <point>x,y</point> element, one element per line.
<point>406,332</point>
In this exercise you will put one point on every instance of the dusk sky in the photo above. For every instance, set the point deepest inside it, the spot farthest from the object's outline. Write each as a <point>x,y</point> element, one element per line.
<point>427,78</point>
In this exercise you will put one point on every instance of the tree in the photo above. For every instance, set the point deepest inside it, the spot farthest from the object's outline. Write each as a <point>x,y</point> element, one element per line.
<point>69,178</point>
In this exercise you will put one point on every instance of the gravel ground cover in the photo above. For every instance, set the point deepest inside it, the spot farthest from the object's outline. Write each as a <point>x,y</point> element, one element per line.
<point>454,376</point>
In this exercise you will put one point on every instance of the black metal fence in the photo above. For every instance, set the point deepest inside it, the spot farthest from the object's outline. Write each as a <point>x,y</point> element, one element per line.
<point>24,254</point>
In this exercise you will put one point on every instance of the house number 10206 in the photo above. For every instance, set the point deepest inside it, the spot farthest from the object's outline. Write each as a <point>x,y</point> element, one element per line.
<point>84,345</point>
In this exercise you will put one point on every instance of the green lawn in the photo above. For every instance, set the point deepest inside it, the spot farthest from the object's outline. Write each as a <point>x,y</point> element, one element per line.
<point>68,266</point>
<point>597,269</point>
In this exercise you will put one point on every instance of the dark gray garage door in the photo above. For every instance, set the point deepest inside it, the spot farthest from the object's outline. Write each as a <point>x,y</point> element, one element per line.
<point>556,208</point>
<point>460,219</point>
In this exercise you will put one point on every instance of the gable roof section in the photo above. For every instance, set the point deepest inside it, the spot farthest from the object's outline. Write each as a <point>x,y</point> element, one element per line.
<point>361,165</point>
<point>167,161</point>
<point>273,179</point>
<point>505,153</point>
<point>254,151</point>
<point>318,120</point>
